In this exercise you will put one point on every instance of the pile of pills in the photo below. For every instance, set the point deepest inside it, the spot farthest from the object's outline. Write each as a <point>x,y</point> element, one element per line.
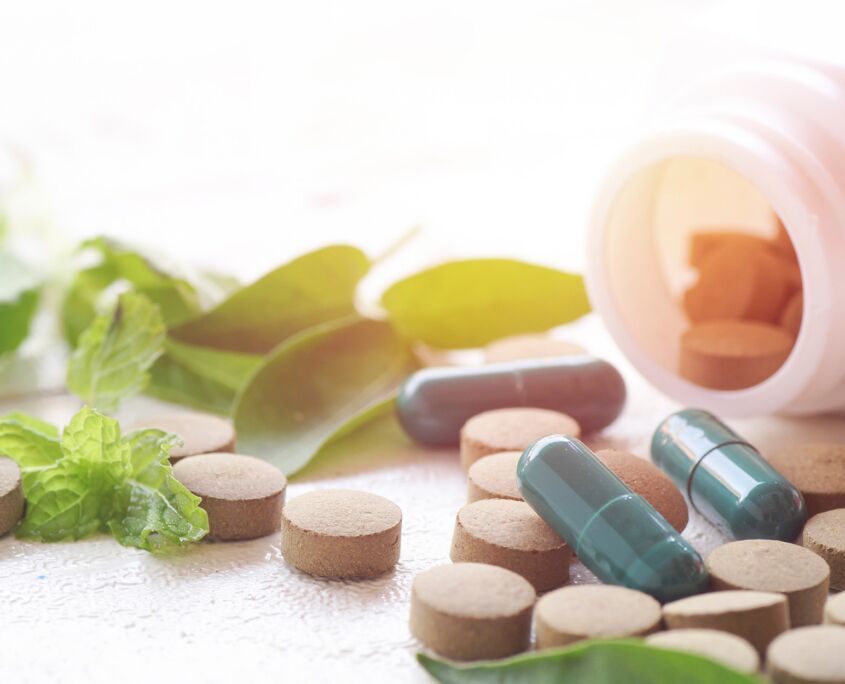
<point>745,309</point>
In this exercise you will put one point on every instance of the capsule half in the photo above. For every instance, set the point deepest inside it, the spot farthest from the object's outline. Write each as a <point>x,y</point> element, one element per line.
<point>616,533</point>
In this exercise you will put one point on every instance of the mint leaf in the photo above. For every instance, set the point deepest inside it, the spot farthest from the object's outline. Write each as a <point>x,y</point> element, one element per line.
<point>95,479</point>
<point>312,289</point>
<point>319,385</point>
<point>19,295</point>
<point>470,303</point>
<point>591,662</point>
<point>115,352</point>
<point>35,424</point>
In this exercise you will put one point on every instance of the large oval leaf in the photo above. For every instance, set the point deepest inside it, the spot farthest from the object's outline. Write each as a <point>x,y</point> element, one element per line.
<point>470,303</point>
<point>315,288</point>
<point>317,386</point>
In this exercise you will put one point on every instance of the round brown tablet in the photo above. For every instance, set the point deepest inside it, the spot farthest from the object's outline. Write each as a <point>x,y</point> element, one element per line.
<point>649,482</point>
<point>824,534</point>
<point>818,470</point>
<point>242,495</point>
<point>728,649</point>
<point>769,565</point>
<point>834,610</point>
<point>11,495</point>
<point>594,611</point>
<point>511,429</point>
<point>341,533</point>
<point>793,312</point>
<point>494,477</point>
<point>529,347</point>
<point>756,616</point>
<point>731,355</point>
<point>810,655</point>
<point>511,535</point>
<point>471,611</point>
<point>200,433</point>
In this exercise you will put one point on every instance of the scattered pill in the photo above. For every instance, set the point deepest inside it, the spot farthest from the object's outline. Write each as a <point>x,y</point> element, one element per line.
<point>511,535</point>
<point>494,477</point>
<point>11,495</point>
<point>774,566</point>
<point>472,611</point>
<point>738,281</point>
<point>594,611</point>
<point>809,655</point>
<point>824,534</point>
<point>201,433</point>
<point>726,479</point>
<point>242,495</point>
<point>793,312</point>
<point>756,616</point>
<point>341,533</point>
<point>616,533</point>
<point>645,479</point>
<point>705,243</point>
<point>723,647</point>
<point>834,610</point>
<point>818,470</point>
<point>434,403</point>
<point>511,429</point>
<point>522,347</point>
<point>732,355</point>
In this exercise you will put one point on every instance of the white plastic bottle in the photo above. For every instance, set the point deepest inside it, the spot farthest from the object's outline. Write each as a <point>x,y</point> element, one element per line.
<point>760,138</point>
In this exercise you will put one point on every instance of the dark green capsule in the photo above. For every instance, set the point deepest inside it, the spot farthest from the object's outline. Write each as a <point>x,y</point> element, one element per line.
<point>434,403</point>
<point>725,478</point>
<point>616,533</point>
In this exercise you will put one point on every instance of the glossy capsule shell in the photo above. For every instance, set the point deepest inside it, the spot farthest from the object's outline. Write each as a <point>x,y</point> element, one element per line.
<point>726,479</point>
<point>434,403</point>
<point>616,533</point>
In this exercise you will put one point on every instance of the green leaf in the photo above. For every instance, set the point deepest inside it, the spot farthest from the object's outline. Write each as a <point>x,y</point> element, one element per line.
<point>312,289</point>
<point>31,422</point>
<point>317,386</point>
<point>31,448</point>
<point>177,298</point>
<point>115,352</point>
<point>591,662</point>
<point>19,295</point>
<point>471,303</point>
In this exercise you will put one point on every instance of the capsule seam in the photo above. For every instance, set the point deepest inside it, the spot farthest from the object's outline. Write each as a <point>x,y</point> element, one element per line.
<point>629,496</point>
<point>738,442</point>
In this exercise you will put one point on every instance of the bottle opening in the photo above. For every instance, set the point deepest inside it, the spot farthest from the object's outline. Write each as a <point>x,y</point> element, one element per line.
<point>703,273</point>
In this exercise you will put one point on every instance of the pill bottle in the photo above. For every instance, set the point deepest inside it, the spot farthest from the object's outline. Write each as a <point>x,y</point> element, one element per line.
<point>758,141</point>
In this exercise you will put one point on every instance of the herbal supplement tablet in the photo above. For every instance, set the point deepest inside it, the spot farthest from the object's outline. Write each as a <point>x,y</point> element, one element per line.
<point>494,477</point>
<point>704,243</point>
<point>726,479</point>
<point>434,403</point>
<point>728,649</point>
<point>341,533</point>
<point>201,433</point>
<point>793,312</point>
<point>756,616</point>
<point>616,533</point>
<point>511,535</point>
<point>594,611</point>
<point>818,470</point>
<point>472,611</point>
<point>824,534</point>
<point>834,610</point>
<point>767,565</point>
<point>810,655</point>
<point>644,478</point>
<point>530,347</point>
<point>511,429</point>
<point>242,495</point>
<point>731,355</point>
<point>11,495</point>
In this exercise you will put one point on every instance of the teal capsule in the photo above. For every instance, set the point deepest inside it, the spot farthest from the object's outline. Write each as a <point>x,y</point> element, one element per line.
<point>434,403</point>
<point>616,533</point>
<point>725,478</point>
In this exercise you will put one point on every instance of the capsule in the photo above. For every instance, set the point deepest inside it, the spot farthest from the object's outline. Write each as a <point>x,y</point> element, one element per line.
<point>434,403</point>
<point>616,533</point>
<point>725,478</point>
